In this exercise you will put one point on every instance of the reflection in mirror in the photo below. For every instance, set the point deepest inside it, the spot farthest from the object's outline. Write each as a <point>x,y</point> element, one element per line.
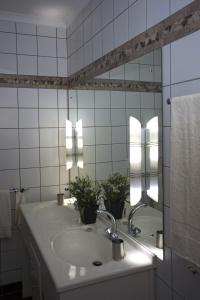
<point>121,133</point>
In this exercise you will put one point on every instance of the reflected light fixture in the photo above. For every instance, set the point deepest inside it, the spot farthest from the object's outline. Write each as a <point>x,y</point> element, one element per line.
<point>74,144</point>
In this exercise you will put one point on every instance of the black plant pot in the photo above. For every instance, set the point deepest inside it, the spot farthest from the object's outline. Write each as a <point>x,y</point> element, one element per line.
<point>115,208</point>
<point>88,215</point>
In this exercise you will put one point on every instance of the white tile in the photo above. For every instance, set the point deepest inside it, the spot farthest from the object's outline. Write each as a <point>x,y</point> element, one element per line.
<point>87,29</point>
<point>119,135</point>
<point>62,136</point>
<point>89,154</point>
<point>48,137</point>
<point>49,176</point>
<point>29,158</point>
<point>118,73</point>
<point>157,56</point>
<point>167,226</point>
<point>62,48</point>
<point>89,170</point>
<point>9,159</point>
<point>8,42</point>
<point>137,18</point>
<point>29,138</point>
<point>158,101</point>
<point>8,118</point>
<point>8,63</point>
<point>185,88</point>
<point>185,66</point>
<point>118,117</point>
<point>7,26</point>
<point>73,100</point>
<point>49,157</point>
<point>103,171</point>
<point>108,38</point>
<point>103,135</point>
<point>11,276</point>
<point>12,244</point>
<point>120,6</point>
<point>28,118</point>
<point>85,99</point>
<point>166,64</point>
<point>49,193</point>
<point>11,260</point>
<point>63,116</point>
<point>87,115</point>
<point>46,46</point>
<point>89,136</point>
<point>146,73</point>
<point>103,153</point>
<point>33,195</point>
<point>73,116</point>
<point>30,177</point>
<point>9,179</point>
<point>117,99</point>
<point>157,74</point>
<point>166,107</point>
<point>178,4</point>
<point>47,66</point>
<point>184,282</point>
<point>97,46</point>
<point>121,167</point>
<point>147,59</point>
<point>8,138</point>
<point>162,290</point>
<point>157,10</point>
<point>62,67</point>
<point>47,98</point>
<point>121,29</point>
<point>62,158</point>
<point>132,72</point>
<point>119,152</point>
<point>88,53</point>
<point>64,176</point>
<point>27,65</point>
<point>133,100</point>
<point>26,44</point>
<point>147,100</point>
<point>102,117</point>
<point>146,115</point>
<point>48,117</point>
<point>62,98</point>
<point>26,28</point>
<point>44,30</point>
<point>8,97</point>
<point>133,112</point>
<point>62,32</point>
<point>102,99</point>
<point>28,97</point>
<point>76,40</point>
<point>166,146</point>
<point>107,11</point>
<point>96,20</point>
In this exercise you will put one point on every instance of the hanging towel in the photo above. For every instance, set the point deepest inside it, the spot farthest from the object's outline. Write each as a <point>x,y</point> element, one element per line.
<point>5,214</point>
<point>185,177</point>
<point>20,199</point>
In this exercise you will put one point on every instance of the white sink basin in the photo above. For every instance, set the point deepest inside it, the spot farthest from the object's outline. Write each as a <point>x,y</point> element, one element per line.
<point>148,224</point>
<point>55,214</point>
<point>82,248</point>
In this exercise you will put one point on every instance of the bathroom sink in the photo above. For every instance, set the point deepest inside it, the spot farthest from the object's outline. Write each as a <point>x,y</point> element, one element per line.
<point>82,247</point>
<point>60,215</point>
<point>148,224</point>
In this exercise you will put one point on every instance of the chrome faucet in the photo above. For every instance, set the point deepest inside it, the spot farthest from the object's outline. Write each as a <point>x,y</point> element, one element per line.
<point>111,232</point>
<point>133,230</point>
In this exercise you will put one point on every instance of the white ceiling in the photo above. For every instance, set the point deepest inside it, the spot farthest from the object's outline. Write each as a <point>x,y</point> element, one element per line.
<point>48,12</point>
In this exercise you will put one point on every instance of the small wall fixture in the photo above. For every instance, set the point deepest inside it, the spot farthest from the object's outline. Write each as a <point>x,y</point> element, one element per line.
<point>74,144</point>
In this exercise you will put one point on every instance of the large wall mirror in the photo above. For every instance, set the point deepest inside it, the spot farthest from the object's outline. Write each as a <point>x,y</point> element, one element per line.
<point>122,132</point>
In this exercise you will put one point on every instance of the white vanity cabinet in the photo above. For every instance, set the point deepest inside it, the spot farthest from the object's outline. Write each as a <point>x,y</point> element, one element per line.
<point>49,277</point>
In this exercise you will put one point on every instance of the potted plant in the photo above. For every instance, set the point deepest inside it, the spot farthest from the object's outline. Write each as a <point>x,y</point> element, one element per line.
<point>87,195</point>
<point>114,192</point>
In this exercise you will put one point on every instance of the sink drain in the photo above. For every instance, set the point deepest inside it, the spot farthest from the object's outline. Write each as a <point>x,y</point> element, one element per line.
<point>97,263</point>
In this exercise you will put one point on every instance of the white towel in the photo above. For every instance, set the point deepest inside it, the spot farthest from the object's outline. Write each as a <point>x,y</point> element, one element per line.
<point>20,199</point>
<point>5,215</point>
<point>185,177</point>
